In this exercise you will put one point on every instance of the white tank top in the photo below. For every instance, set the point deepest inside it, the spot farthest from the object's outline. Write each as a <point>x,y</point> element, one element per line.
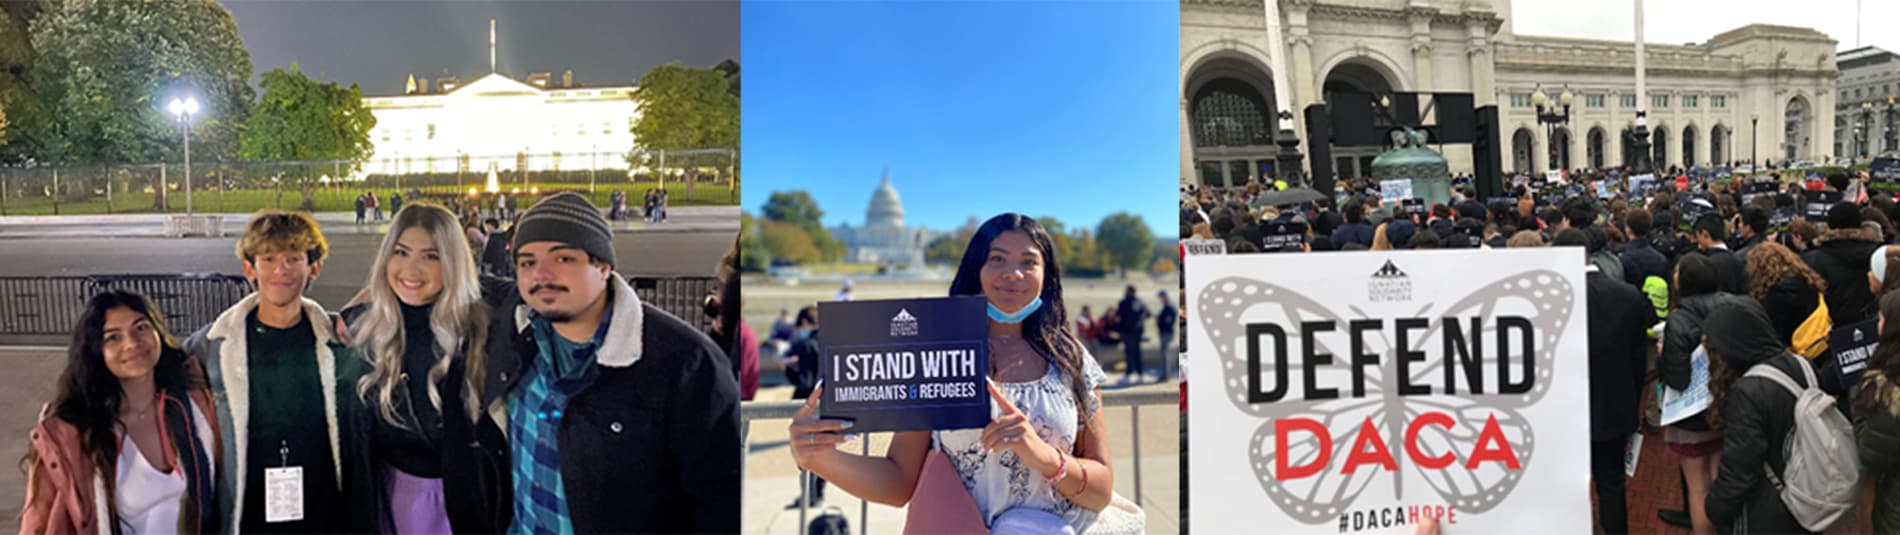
<point>149,501</point>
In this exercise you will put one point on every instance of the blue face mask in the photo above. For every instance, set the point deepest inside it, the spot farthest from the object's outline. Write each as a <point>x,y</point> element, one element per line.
<point>997,314</point>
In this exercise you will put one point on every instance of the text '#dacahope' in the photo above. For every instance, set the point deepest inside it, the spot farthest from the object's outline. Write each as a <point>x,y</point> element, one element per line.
<point>904,365</point>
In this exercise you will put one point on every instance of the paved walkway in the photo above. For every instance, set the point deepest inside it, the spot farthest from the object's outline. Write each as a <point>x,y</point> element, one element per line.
<point>682,219</point>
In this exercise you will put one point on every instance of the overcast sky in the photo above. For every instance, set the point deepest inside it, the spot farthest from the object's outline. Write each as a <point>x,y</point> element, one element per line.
<point>1686,21</point>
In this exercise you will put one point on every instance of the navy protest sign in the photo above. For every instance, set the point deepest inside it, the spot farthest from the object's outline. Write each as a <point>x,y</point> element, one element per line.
<point>1884,174</point>
<point>1283,237</point>
<point>906,364</point>
<point>1852,345</point>
<point>1819,202</point>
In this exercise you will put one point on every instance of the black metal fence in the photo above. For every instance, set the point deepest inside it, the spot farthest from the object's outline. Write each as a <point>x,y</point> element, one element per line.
<point>50,305</point>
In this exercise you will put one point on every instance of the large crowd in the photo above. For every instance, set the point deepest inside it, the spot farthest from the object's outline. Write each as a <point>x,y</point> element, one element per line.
<point>1747,273</point>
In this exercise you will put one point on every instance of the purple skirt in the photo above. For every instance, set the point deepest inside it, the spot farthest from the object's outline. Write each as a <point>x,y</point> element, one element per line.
<point>415,505</point>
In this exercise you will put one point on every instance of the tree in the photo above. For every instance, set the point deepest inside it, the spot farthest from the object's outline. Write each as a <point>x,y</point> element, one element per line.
<point>300,119</point>
<point>1126,240</point>
<point>731,69</point>
<point>788,243</point>
<point>946,249</point>
<point>798,209</point>
<point>104,71</point>
<point>22,106</point>
<point>682,108</point>
<point>754,255</point>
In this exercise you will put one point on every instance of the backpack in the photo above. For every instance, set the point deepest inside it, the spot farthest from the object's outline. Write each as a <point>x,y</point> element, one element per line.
<point>1822,458</point>
<point>1608,263</point>
<point>1810,339</point>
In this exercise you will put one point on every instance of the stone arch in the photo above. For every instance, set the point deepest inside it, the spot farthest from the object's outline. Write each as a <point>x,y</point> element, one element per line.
<point>1523,146</point>
<point>1231,112</point>
<point>1659,139</point>
<point>1719,144</point>
<point>1559,144</point>
<point>1690,138</point>
<point>1371,59</point>
<point>1596,142</point>
<point>1797,126</point>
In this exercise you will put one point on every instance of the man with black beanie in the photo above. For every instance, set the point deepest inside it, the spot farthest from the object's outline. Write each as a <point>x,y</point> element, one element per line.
<point>1841,257</point>
<point>618,417</point>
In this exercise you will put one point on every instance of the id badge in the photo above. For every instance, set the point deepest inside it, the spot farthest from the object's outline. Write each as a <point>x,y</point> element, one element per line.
<point>283,494</point>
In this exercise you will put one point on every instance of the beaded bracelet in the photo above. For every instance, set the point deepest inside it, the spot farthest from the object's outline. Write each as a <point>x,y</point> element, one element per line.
<point>1062,470</point>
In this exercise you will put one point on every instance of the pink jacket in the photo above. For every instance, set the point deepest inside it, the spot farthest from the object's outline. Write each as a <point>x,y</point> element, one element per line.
<point>63,485</point>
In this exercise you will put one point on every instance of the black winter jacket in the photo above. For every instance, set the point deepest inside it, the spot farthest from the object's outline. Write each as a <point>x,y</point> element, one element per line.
<point>1789,302</point>
<point>1841,260</point>
<point>1877,429</point>
<point>1757,416</point>
<point>1681,336</point>
<point>1619,318</point>
<point>648,444</point>
<point>1641,260</point>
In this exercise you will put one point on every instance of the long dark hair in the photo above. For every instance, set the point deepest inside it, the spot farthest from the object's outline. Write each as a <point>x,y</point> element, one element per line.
<point>1046,330</point>
<point>1695,275</point>
<point>1886,358</point>
<point>89,396</point>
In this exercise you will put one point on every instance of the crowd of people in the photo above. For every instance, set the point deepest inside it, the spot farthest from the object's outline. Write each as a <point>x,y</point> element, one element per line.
<point>445,397</point>
<point>1747,274</point>
<point>1122,325</point>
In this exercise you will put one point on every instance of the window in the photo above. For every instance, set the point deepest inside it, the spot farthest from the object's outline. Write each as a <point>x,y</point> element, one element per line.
<point>1593,101</point>
<point>1718,101</point>
<point>1659,101</point>
<point>1629,101</point>
<point>1520,100</point>
<point>1689,101</point>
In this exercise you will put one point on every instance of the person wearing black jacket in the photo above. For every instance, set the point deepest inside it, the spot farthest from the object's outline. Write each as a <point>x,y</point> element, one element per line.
<point>1731,271</point>
<point>1640,259</point>
<point>1756,415</point>
<point>1619,317</point>
<point>1785,286</point>
<point>1165,321</point>
<point>626,417</point>
<point>1692,439</point>
<point>1841,256</point>
<point>1750,230</point>
<point>1131,314</point>
<point>1356,230</point>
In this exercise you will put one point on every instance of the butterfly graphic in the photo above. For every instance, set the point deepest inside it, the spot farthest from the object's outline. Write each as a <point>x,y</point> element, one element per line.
<point>1228,304</point>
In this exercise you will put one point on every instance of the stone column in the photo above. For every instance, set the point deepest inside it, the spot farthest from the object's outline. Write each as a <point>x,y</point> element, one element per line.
<point>1483,88</point>
<point>1299,42</point>
<point>1420,17</point>
<point>1188,176</point>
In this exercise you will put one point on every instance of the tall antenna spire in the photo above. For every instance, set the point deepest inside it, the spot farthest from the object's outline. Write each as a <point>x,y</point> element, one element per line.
<point>491,45</point>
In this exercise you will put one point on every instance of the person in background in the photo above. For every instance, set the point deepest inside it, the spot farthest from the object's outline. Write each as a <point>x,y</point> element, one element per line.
<point>1164,325</point>
<point>395,203</point>
<point>1696,441</point>
<point>1877,418</point>
<point>1785,286</point>
<point>1710,236</point>
<point>801,367</point>
<point>362,206</point>
<point>1841,256</point>
<point>1619,317</point>
<point>1526,238</point>
<point>1131,314</point>
<point>129,442</point>
<point>1755,416</point>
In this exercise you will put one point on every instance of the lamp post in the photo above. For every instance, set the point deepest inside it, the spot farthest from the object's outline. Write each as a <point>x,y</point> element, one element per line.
<point>1867,129</point>
<point>1288,165</point>
<point>1549,116</point>
<point>183,109</point>
<point>1754,150</point>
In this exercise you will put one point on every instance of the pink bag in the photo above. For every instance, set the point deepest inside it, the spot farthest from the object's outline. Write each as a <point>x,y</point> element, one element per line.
<point>940,504</point>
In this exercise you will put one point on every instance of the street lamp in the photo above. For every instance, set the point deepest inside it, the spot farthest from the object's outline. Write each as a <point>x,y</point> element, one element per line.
<point>1550,118</point>
<point>1867,129</point>
<point>1754,149</point>
<point>183,109</point>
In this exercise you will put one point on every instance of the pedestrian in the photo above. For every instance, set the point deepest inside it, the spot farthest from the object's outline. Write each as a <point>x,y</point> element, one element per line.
<point>128,443</point>
<point>1696,442</point>
<point>362,206</point>
<point>1785,286</point>
<point>285,388</point>
<point>1044,461</point>
<point>562,373</point>
<point>1755,415</point>
<point>1877,418</point>
<point>395,203</point>
<point>1132,314</point>
<point>1356,230</point>
<point>802,363</point>
<point>1641,260</point>
<point>1710,235</point>
<point>1165,321</point>
<point>375,205</point>
<point>1841,256</point>
<point>1619,317</point>
<point>424,309</point>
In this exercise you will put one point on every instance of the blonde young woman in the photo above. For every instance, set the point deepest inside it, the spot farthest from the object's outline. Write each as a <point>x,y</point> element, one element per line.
<point>421,307</point>
<point>1041,466</point>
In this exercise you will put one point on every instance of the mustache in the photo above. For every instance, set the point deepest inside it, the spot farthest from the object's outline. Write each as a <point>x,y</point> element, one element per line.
<point>550,286</point>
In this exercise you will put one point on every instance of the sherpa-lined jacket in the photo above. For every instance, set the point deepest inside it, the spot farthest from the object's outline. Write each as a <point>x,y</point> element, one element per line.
<point>221,347</point>
<point>1877,429</point>
<point>649,445</point>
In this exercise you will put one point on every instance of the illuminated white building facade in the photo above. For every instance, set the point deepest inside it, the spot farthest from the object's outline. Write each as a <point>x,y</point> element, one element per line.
<point>501,123</point>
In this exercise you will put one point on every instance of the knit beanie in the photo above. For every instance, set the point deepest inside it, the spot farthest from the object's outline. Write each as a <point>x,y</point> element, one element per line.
<point>570,219</point>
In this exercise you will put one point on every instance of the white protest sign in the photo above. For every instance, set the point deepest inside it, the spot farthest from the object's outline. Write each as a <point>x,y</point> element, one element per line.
<point>1198,246</point>
<point>1554,176</point>
<point>1395,189</point>
<point>1680,405</point>
<point>1632,451</point>
<point>1358,393</point>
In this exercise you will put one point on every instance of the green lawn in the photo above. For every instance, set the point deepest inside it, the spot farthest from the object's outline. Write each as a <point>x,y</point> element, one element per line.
<point>333,200</point>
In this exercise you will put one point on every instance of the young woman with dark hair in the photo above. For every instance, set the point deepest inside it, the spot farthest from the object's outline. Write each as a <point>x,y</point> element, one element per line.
<point>1042,463</point>
<point>128,444</point>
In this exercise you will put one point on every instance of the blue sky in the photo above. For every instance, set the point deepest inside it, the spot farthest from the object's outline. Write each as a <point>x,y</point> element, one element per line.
<point>1061,108</point>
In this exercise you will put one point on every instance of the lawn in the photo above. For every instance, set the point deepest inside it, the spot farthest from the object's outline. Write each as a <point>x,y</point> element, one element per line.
<point>335,200</point>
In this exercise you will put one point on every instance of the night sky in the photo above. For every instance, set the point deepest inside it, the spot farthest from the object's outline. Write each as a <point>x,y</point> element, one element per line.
<point>377,44</point>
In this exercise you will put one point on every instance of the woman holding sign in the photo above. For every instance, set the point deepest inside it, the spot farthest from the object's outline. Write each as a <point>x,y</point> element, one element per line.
<point>1041,466</point>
